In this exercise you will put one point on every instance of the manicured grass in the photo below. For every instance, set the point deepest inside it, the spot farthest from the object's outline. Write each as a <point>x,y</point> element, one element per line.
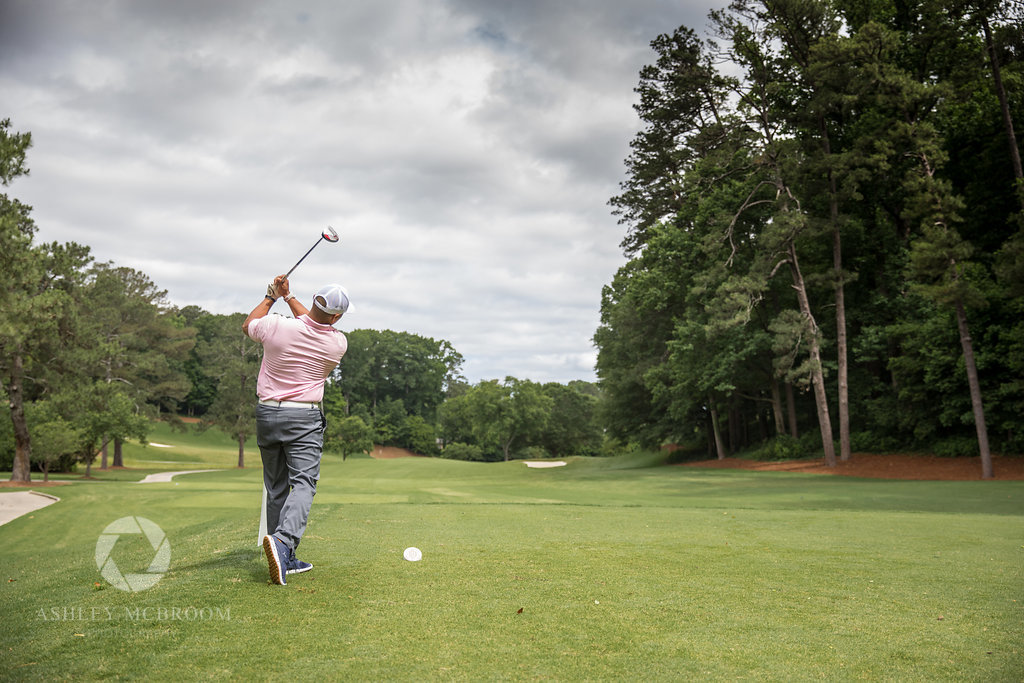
<point>622,570</point>
<point>168,449</point>
<point>191,449</point>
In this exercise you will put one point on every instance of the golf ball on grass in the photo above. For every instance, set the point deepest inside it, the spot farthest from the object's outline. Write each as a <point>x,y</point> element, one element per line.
<point>412,554</point>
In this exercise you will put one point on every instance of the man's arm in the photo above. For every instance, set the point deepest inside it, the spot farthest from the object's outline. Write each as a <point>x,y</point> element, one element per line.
<point>263,307</point>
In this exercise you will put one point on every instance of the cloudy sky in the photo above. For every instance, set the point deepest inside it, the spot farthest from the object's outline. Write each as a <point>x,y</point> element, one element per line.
<point>465,150</point>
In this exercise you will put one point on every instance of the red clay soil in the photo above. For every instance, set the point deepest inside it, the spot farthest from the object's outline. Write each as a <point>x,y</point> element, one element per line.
<point>871,466</point>
<point>896,466</point>
<point>389,452</point>
<point>34,484</point>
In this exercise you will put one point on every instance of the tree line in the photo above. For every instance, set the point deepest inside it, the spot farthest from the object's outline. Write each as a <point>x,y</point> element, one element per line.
<point>405,390</point>
<point>91,353</point>
<point>825,238</point>
<point>824,215</point>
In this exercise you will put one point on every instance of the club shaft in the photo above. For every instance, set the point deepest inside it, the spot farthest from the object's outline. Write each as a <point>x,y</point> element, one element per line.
<point>303,257</point>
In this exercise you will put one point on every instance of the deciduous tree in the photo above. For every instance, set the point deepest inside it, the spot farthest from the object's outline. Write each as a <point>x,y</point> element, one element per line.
<point>348,435</point>
<point>234,360</point>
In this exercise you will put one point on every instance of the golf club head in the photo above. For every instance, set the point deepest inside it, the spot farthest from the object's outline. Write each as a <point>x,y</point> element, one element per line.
<point>329,235</point>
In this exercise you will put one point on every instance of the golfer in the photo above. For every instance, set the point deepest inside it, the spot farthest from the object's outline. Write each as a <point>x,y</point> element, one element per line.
<point>298,355</point>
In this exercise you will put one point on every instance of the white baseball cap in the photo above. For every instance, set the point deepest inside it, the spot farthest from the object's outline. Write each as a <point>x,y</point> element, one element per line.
<point>332,300</point>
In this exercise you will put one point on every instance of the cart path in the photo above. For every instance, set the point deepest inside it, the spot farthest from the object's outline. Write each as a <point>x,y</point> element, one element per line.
<point>18,503</point>
<point>164,477</point>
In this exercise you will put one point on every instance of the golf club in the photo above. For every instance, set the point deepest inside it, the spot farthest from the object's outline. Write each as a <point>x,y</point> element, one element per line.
<point>329,234</point>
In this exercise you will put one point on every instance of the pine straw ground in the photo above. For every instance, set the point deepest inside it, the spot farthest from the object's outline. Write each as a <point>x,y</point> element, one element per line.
<point>891,466</point>
<point>867,465</point>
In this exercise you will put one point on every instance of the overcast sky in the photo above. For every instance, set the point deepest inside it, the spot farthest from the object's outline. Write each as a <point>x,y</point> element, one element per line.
<point>465,150</point>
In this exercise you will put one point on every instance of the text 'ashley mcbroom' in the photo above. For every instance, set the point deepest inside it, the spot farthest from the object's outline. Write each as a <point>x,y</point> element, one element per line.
<point>71,613</point>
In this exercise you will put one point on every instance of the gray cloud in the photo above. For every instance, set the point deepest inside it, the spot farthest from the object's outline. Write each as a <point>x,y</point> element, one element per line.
<point>465,149</point>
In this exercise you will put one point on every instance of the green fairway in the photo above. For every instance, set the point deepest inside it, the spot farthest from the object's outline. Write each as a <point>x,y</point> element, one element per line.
<point>603,569</point>
<point>186,447</point>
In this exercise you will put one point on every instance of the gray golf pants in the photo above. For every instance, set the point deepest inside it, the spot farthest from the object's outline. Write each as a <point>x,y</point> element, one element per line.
<point>291,441</point>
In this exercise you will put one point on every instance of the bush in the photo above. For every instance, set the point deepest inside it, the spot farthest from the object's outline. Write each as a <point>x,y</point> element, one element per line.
<point>680,453</point>
<point>782,447</point>
<point>785,447</point>
<point>956,447</point>
<point>531,453</point>
<point>871,442</point>
<point>462,451</point>
<point>612,448</point>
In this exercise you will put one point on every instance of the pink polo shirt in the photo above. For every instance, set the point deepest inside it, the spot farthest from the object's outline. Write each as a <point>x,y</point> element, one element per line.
<point>298,356</point>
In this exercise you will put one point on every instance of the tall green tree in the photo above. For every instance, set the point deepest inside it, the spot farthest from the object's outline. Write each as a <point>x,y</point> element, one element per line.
<point>1010,18</point>
<point>19,272</point>
<point>234,360</point>
<point>631,341</point>
<point>53,438</point>
<point>940,264</point>
<point>508,414</point>
<point>455,419</point>
<point>572,427</point>
<point>682,97</point>
<point>811,168</point>
<point>772,206</point>
<point>100,410</point>
<point>137,341</point>
<point>37,281</point>
<point>708,266</point>
<point>383,365</point>
<point>348,436</point>
<point>203,387</point>
<point>814,77</point>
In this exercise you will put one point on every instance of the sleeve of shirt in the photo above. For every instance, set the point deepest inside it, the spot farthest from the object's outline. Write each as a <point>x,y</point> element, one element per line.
<point>260,328</point>
<point>342,345</point>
